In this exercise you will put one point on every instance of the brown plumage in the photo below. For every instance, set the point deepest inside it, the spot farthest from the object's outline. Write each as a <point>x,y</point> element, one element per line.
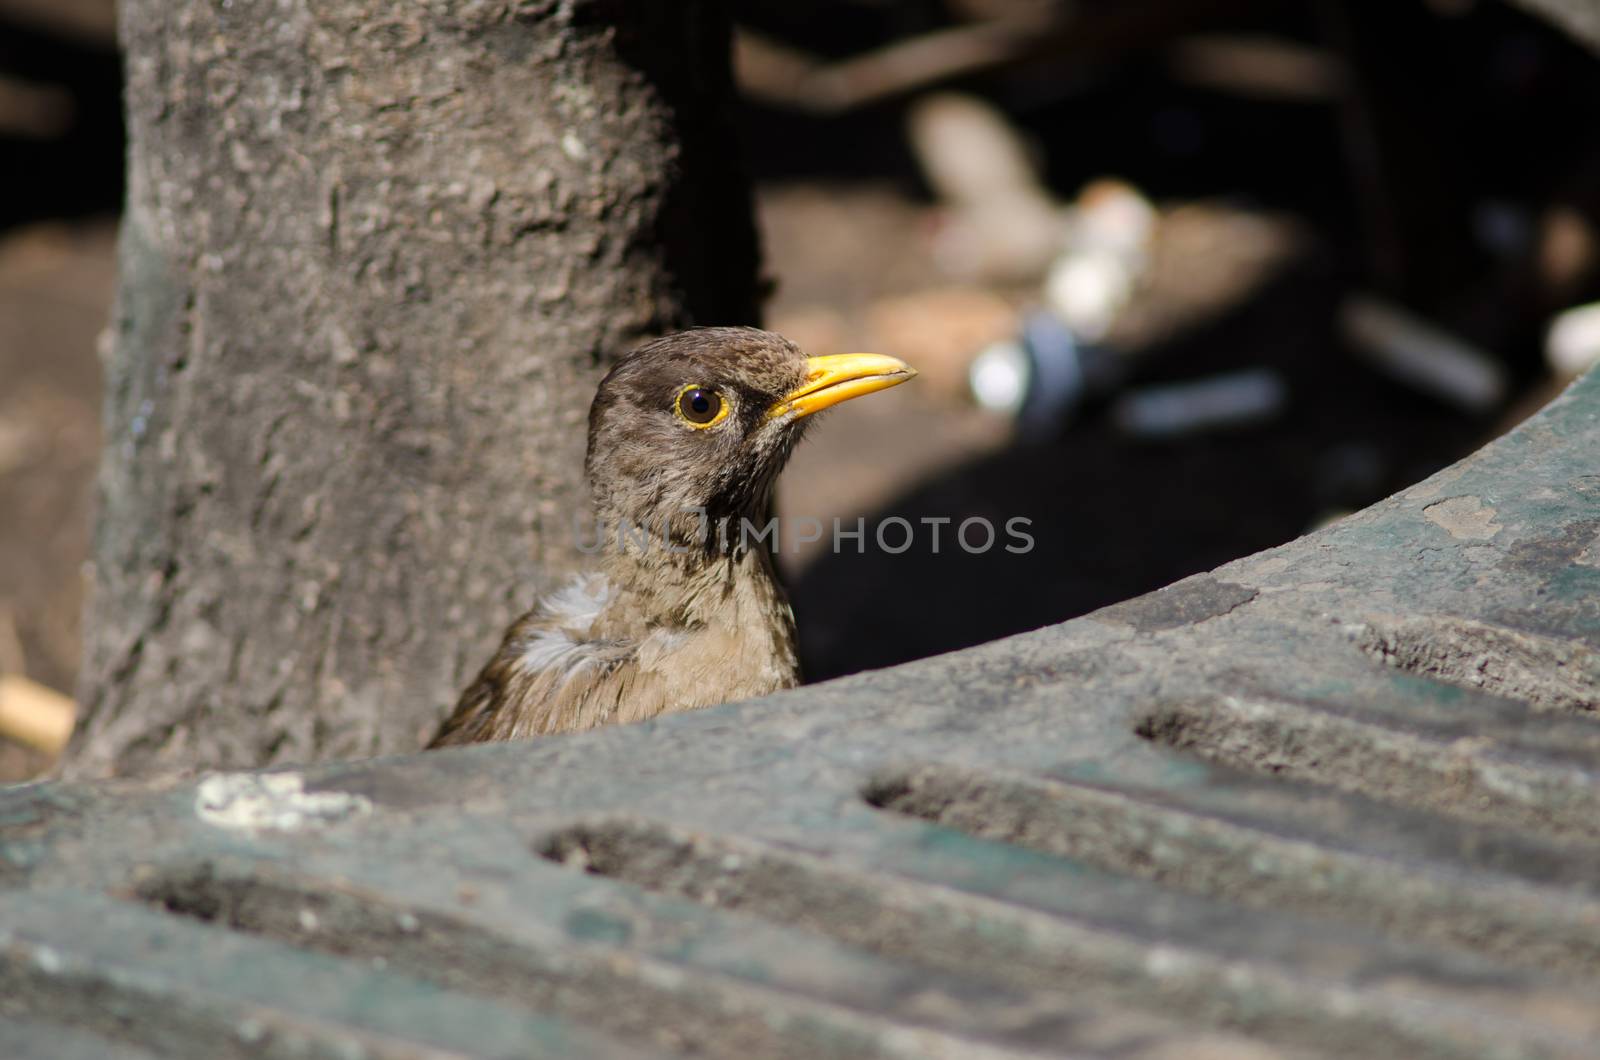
<point>687,436</point>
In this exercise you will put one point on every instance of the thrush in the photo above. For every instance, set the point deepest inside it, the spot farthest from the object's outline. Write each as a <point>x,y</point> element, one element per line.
<point>687,435</point>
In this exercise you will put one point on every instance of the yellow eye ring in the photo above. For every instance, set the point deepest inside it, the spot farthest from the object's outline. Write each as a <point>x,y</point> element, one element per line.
<point>700,406</point>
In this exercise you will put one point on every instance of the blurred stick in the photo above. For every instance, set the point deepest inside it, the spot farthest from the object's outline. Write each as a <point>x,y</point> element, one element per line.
<point>1259,66</point>
<point>91,21</point>
<point>32,714</point>
<point>775,73</point>
<point>778,74</point>
<point>1423,355</point>
<point>1579,18</point>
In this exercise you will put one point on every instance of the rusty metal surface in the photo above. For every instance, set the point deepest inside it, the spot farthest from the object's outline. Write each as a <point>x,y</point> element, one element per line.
<point>1335,799</point>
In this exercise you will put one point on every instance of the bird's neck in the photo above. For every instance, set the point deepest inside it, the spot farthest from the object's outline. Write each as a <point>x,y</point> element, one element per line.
<point>692,566</point>
<point>698,587</point>
<point>723,616</point>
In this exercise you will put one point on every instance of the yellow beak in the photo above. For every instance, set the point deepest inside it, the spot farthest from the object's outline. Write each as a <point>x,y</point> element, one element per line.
<point>830,380</point>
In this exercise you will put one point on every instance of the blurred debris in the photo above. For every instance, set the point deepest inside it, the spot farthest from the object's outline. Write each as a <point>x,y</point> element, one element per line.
<point>999,377</point>
<point>1568,251</point>
<point>1269,68</point>
<point>769,71</point>
<point>1000,222</point>
<point>1132,277</point>
<point>970,154</point>
<point>1000,228</point>
<point>1107,242</point>
<point>35,716</point>
<point>1206,259</point>
<point>1572,346</point>
<point>1041,377</point>
<point>1421,355</point>
<point>1234,400</point>
<point>1000,225</point>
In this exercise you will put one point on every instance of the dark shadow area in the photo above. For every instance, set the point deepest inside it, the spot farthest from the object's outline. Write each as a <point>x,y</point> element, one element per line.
<point>61,155</point>
<point>1430,178</point>
<point>1113,517</point>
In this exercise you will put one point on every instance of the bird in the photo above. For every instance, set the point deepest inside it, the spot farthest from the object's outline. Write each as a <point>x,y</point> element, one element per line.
<point>687,435</point>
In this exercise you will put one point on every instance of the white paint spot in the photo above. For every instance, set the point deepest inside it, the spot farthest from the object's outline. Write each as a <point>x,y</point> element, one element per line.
<point>573,147</point>
<point>271,801</point>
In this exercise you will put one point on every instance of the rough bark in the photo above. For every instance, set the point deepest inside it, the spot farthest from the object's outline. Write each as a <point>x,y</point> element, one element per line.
<point>374,260</point>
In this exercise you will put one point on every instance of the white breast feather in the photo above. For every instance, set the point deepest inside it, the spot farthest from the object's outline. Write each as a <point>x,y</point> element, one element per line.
<point>578,603</point>
<point>562,647</point>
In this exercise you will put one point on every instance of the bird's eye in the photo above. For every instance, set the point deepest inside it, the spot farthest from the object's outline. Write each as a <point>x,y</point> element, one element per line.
<point>700,406</point>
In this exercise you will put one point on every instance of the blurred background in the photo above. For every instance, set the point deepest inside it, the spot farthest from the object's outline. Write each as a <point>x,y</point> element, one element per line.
<point>1184,279</point>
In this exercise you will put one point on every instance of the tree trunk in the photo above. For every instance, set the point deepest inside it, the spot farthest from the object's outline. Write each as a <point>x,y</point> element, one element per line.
<point>374,261</point>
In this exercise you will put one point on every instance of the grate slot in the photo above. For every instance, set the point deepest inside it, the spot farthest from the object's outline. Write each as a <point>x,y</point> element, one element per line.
<point>1547,673</point>
<point>1464,778</point>
<point>82,968</point>
<point>1209,855</point>
<point>950,930</point>
<point>670,1009</point>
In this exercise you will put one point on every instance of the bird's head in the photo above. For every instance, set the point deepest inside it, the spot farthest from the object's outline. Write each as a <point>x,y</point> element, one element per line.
<point>706,419</point>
